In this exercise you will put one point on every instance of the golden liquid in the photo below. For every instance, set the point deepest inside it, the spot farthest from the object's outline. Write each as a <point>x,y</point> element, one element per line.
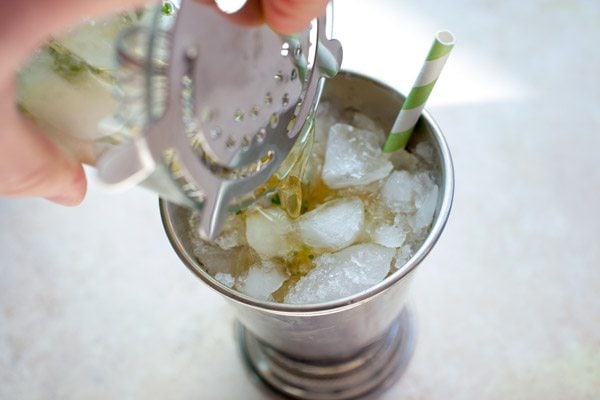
<point>296,197</point>
<point>317,193</point>
<point>290,195</point>
<point>296,192</point>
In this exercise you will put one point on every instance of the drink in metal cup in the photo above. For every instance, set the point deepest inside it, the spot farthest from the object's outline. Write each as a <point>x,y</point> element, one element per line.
<point>353,347</point>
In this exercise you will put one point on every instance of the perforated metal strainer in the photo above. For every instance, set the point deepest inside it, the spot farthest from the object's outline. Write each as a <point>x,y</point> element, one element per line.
<point>224,104</point>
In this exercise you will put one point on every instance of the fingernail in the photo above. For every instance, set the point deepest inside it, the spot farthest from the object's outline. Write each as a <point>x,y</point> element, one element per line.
<point>65,200</point>
<point>74,193</point>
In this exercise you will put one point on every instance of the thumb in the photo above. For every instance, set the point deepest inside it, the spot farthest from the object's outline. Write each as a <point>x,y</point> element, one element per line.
<point>30,164</point>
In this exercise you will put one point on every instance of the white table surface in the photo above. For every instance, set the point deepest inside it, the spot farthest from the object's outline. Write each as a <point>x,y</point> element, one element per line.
<point>94,304</point>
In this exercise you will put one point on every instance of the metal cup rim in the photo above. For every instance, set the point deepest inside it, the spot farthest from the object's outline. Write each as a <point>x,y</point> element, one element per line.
<point>447,173</point>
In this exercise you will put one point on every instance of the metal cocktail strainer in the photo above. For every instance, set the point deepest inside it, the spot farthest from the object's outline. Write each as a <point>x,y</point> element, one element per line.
<point>223,104</point>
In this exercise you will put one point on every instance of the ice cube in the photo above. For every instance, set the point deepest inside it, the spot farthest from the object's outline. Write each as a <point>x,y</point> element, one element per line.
<point>326,118</point>
<point>404,192</point>
<point>216,260</point>
<point>267,232</point>
<point>232,234</point>
<point>426,151</point>
<point>229,239</point>
<point>342,274</point>
<point>397,192</point>
<point>353,157</point>
<point>403,160</point>
<point>403,254</point>
<point>262,279</point>
<point>225,278</point>
<point>360,191</point>
<point>333,225</point>
<point>361,121</point>
<point>426,209</point>
<point>390,235</point>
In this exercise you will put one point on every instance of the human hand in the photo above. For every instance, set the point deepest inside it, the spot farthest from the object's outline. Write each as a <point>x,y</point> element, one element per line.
<point>283,16</point>
<point>30,164</point>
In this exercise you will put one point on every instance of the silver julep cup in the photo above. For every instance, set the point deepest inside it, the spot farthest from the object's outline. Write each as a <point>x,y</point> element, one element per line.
<point>349,348</point>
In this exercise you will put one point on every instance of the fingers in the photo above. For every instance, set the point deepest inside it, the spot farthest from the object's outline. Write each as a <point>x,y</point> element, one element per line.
<point>30,164</point>
<point>249,14</point>
<point>284,16</point>
<point>291,16</point>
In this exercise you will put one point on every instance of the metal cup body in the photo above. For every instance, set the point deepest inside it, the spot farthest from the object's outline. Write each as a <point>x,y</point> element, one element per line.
<point>329,335</point>
<point>339,330</point>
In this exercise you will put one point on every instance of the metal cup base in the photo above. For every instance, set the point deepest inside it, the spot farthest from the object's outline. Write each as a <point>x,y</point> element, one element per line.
<point>371,371</point>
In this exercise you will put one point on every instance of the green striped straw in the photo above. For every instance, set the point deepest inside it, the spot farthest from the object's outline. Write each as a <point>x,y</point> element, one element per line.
<point>415,101</point>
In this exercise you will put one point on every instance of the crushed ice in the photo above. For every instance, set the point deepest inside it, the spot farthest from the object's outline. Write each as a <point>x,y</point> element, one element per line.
<point>353,157</point>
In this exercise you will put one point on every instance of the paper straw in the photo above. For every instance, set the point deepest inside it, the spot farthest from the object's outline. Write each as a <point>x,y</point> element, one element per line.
<point>415,101</point>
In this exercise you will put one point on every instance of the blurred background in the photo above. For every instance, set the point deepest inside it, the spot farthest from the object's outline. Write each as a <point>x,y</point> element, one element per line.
<point>94,304</point>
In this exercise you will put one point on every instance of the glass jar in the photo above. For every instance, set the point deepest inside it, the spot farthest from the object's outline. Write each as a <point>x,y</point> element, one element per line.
<point>105,101</point>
